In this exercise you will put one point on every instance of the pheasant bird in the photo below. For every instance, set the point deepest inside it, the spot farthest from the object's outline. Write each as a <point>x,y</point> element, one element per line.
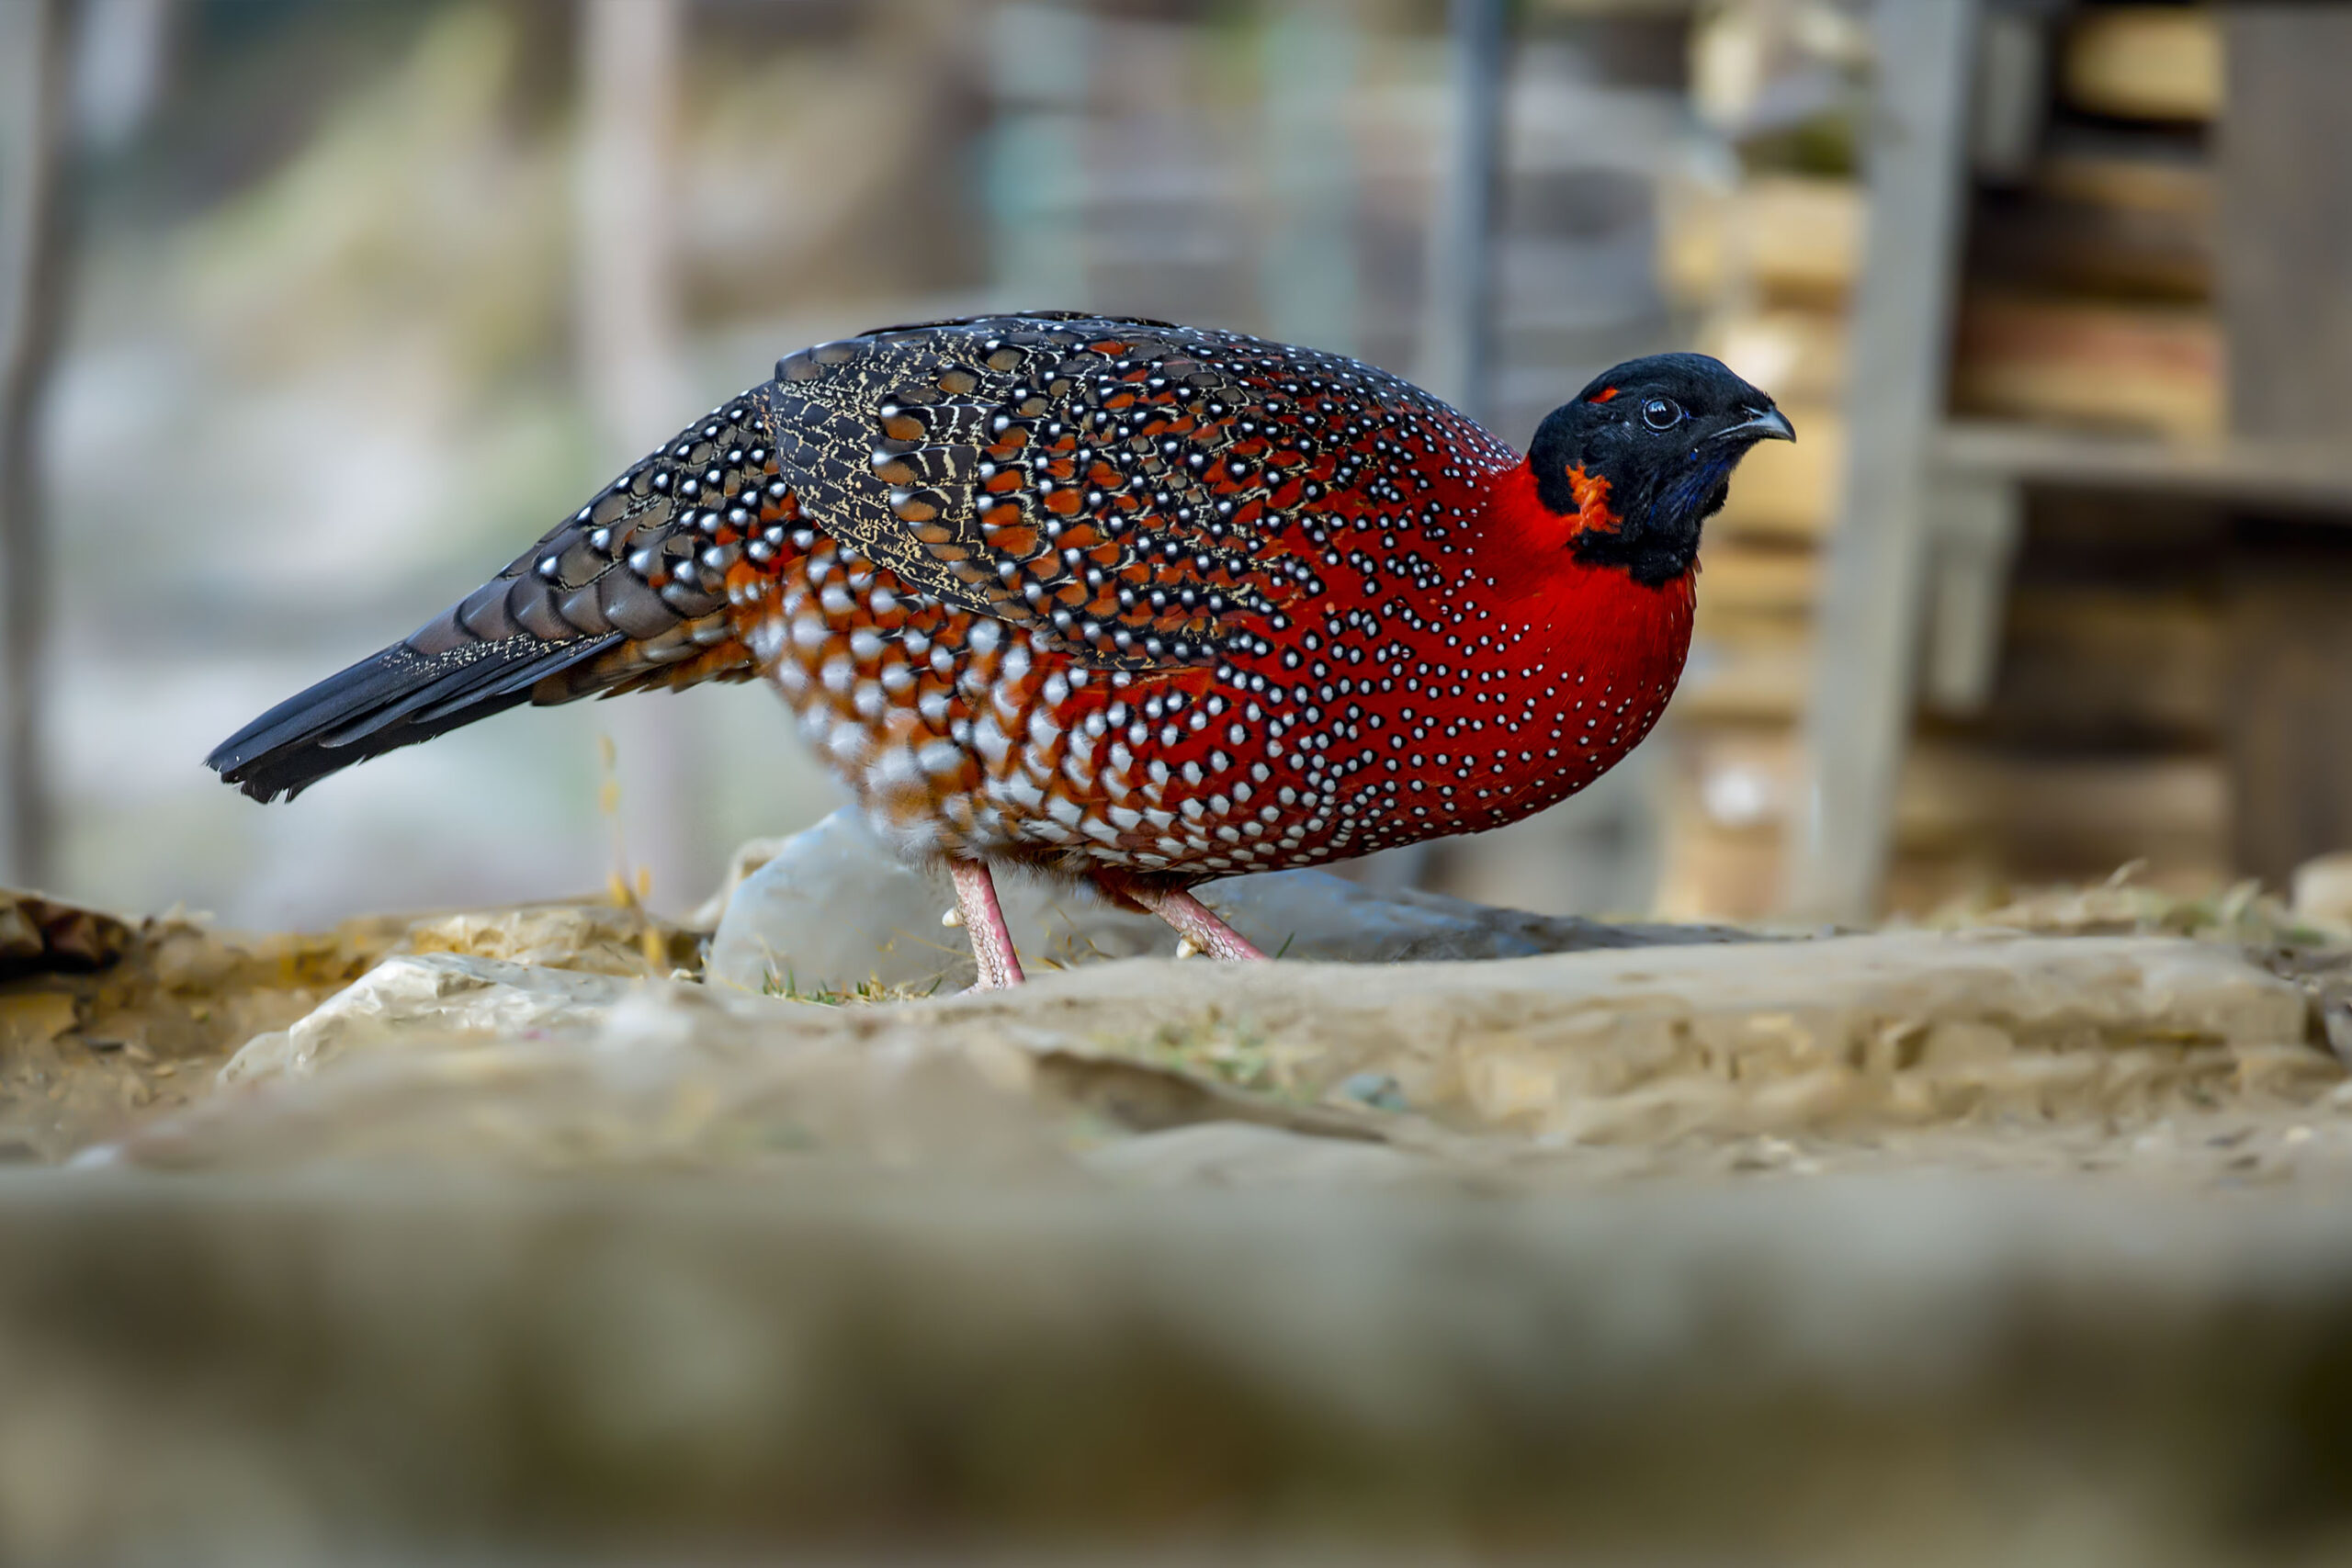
<point>1112,599</point>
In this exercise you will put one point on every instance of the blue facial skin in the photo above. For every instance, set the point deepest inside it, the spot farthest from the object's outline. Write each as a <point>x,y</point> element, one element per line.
<point>1666,433</point>
<point>1697,493</point>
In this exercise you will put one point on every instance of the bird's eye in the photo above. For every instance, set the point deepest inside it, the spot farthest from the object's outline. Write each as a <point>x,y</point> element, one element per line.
<point>1661,413</point>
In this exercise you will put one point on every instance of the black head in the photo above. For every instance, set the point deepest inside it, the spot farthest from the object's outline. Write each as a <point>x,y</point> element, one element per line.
<point>1664,432</point>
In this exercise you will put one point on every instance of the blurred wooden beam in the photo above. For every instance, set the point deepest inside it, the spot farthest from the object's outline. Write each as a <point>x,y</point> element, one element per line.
<point>2286,305</point>
<point>2287,708</point>
<point>1041,61</point>
<point>624,248</point>
<point>1308,272</point>
<point>633,368</point>
<point>2308,477</point>
<point>2286,229</point>
<point>34,84</point>
<point>1859,715</point>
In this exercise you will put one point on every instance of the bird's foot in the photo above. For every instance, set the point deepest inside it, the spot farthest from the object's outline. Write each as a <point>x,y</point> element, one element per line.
<point>1195,924</point>
<point>991,938</point>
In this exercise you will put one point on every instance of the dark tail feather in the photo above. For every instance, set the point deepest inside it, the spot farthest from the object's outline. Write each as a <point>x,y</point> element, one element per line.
<point>577,615</point>
<point>395,698</point>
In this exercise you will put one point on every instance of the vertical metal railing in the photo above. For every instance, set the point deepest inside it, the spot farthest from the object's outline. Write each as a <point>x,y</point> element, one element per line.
<point>1457,345</point>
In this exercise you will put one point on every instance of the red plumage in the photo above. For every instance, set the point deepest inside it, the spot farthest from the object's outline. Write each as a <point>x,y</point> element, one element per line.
<point>1108,596</point>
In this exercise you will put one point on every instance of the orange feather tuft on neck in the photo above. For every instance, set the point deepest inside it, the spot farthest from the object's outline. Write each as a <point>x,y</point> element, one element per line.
<point>1591,492</point>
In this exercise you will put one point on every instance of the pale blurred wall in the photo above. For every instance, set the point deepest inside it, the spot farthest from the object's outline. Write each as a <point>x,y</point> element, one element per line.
<point>328,365</point>
<point>315,396</point>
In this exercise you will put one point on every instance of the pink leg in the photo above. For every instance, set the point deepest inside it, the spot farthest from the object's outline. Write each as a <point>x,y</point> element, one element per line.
<point>1195,922</point>
<point>991,938</point>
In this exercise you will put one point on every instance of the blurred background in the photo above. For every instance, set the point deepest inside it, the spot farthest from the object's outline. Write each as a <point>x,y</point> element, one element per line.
<point>313,314</point>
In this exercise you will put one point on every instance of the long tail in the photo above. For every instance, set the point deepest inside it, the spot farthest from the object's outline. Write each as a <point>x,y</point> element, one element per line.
<point>627,592</point>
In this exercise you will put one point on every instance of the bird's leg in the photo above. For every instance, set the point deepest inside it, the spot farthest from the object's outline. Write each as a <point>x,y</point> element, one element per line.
<point>1192,920</point>
<point>991,938</point>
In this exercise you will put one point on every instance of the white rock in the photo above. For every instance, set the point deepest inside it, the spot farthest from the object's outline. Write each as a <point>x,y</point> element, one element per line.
<point>2322,889</point>
<point>423,994</point>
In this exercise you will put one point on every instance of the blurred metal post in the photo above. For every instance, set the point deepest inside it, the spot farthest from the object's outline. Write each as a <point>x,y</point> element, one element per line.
<point>34,83</point>
<point>1307,277</point>
<point>1859,715</point>
<point>631,360</point>
<point>1458,319</point>
<point>1458,325</point>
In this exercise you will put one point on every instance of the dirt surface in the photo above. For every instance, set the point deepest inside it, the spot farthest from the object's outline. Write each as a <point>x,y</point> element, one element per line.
<point>2082,1034</point>
<point>89,1052</point>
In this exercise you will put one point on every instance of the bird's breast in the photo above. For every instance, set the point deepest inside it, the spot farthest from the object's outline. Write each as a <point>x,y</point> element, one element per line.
<point>1492,703</point>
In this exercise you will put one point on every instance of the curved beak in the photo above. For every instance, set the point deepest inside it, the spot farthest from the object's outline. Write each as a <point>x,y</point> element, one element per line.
<point>1761,424</point>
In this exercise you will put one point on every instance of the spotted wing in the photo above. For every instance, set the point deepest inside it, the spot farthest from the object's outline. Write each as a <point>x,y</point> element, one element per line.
<point>1144,494</point>
<point>639,570</point>
<point>628,592</point>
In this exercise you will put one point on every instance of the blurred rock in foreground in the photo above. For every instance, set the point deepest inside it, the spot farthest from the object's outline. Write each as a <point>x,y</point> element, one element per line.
<point>1917,1370</point>
<point>504,1237</point>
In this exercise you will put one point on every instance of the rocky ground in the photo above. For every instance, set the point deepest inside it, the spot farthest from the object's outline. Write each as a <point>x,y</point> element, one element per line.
<point>562,1231</point>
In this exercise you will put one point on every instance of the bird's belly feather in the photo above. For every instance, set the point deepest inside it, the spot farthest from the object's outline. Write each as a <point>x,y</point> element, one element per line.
<point>963,735</point>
